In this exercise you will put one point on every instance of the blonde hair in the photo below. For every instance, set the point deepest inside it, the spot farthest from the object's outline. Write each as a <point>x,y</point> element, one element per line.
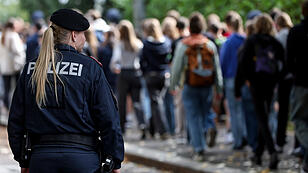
<point>51,36</point>
<point>152,28</point>
<point>92,41</point>
<point>128,36</point>
<point>283,20</point>
<point>169,28</point>
<point>234,20</point>
<point>264,24</point>
<point>174,14</point>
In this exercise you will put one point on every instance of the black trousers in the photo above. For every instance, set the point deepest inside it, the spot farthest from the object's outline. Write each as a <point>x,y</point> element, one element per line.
<point>284,90</point>
<point>129,82</point>
<point>262,97</point>
<point>156,86</point>
<point>7,79</point>
<point>51,159</point>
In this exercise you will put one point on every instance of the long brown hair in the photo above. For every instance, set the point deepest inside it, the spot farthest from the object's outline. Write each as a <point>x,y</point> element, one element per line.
<point>8,26</point>
<point>53,35</point>
<point>128,36</point>
<point>264,24</point>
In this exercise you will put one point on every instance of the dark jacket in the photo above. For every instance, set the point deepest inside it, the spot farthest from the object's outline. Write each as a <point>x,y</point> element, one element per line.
<point>154,56</point>
<point>85,105</point>
<point>104,57</point>
<point>297,53</point>
<point>246,69</point>
<point>32,46</point>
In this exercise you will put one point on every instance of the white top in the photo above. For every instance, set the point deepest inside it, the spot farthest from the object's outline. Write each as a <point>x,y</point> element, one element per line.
<point>12,54</point>
<point>124,59</point>
<point>282,37</point>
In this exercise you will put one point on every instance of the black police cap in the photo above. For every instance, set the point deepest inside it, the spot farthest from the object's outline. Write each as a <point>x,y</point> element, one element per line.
<point>70,19</point>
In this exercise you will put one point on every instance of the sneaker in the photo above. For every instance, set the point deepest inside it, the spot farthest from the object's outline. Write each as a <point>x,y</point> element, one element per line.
<point>229,138</point>
<point>274,161</point>
<point>164,136</point>
<point>198,156</point>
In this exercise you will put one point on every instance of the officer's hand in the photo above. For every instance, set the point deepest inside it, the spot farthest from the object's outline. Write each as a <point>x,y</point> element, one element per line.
<point>116,171</point>
<point>24,170</point>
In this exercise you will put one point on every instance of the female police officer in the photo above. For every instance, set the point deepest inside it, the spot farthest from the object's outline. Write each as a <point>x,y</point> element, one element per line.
<point>62,100</point>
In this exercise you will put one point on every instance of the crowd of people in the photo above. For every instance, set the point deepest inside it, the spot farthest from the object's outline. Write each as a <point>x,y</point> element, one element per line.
<point>179,76</point>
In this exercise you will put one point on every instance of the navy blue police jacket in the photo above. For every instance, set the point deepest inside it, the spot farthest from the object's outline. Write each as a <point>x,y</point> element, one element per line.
<point>85,105</point>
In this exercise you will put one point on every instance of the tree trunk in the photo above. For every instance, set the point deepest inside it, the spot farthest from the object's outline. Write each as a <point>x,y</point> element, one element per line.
<point>139,15</point>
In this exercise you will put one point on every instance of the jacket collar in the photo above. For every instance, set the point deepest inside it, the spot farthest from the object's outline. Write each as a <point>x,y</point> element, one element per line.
<point>65,47</point>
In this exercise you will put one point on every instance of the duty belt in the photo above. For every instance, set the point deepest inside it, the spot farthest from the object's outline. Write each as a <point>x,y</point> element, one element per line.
<point>66,138</point>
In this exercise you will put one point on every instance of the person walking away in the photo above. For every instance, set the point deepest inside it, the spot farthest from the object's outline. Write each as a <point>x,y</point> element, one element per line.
<point>12,58</point>
<point>297,63</point>
<point>125,59</point>
<point>228,60</point>
<point>196,58</point>
<point>105,54</point>
<point>283,24</point>
<point>262,65</point>
<point>171,34</point>
<point>155,68</point>
<point>63,104</point>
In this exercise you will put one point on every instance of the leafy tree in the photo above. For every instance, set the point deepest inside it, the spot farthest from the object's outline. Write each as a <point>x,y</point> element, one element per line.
<point>49,6</point>
<point>159,8</point>
<point>10,8</point>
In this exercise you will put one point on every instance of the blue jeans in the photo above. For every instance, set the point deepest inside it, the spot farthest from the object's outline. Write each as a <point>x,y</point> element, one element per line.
<point>197,103</point>
<point>145,100</point>
<point>249,113</point>
<point>209,121</point>
<point>238,126</point>
<point>169,109</point>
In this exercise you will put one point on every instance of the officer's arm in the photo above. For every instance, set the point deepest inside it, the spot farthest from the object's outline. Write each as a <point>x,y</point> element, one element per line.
<point>16,123</point>
<point>107,120</point>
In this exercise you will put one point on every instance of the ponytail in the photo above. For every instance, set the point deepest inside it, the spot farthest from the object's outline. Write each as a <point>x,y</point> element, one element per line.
<point>39,77</point>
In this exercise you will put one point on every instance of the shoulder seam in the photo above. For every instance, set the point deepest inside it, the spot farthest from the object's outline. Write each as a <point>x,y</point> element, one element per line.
<point>100,64</point>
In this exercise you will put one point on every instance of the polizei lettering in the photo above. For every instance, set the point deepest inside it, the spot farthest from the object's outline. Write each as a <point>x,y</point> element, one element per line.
<point>64,68</point>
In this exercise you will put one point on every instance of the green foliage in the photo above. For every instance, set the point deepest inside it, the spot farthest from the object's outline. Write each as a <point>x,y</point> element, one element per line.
<point>11,8</point>
<point>159,8</point>
<point>154,8</point>
<point>125,6</point>
<point>24,8</point>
